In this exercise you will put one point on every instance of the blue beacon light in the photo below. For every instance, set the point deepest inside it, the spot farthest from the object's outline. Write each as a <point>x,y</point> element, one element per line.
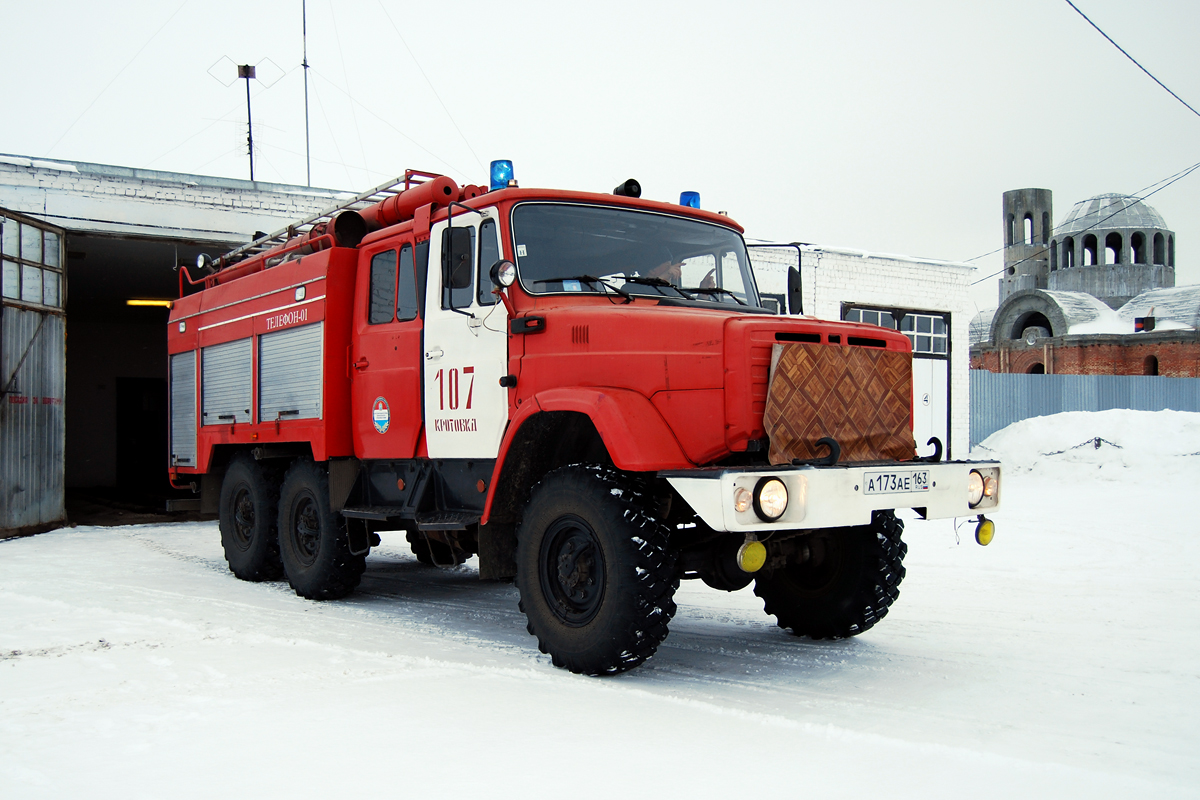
<point>689,199</point>
<point>502,173</point>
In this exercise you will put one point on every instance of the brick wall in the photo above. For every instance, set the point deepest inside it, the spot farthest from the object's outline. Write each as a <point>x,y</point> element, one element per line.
<point>1177,354</point>
<point>108,199</point>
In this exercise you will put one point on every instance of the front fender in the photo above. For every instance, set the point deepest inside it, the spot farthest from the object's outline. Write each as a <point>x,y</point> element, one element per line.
<point>635,434</point>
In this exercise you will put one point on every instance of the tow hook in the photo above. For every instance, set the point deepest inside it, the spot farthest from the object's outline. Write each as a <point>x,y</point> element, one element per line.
<point>985,530</point>
<point>752,554</point>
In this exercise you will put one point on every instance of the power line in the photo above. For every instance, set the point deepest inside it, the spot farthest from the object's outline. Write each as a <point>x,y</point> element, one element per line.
<point>435,92</point>
<point>153,36</point>
<point>1131,58</point>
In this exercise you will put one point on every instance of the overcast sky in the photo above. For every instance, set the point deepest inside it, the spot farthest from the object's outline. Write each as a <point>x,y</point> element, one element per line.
<point>884,126</point>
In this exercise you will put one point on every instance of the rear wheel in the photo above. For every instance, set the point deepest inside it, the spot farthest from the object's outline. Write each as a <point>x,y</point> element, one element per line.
<point>841,582</point>
<point>312,539</point>
<point>246,518</point>
<point>595,574</point>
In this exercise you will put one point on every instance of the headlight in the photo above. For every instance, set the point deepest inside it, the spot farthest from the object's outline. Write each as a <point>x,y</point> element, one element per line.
<point>504,273</point>
<point>770,499</point>
<point>975,488</point>
<point>989,487</point>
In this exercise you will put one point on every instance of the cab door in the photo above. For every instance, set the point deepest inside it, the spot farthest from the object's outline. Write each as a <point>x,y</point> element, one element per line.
<point>385,354</point>
<point>466,347</point>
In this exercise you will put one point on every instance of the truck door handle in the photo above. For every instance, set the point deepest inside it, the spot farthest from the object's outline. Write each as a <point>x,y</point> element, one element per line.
<point>362,363</point>
<point>434,354</point>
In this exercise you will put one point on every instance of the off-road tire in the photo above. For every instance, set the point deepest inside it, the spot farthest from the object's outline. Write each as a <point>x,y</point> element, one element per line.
<point>247,516</point>
<point>312,539</point>
<point>594,570</point>
<point>846,591</point>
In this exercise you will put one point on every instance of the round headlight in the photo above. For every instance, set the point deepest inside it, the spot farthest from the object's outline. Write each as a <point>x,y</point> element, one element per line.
<point>770,499</point>
<point>742,499</point>
<point>504,273</point>
<point>974,488</point>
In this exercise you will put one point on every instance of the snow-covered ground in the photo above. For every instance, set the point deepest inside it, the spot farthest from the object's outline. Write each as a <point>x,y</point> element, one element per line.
<point>1061,661</point>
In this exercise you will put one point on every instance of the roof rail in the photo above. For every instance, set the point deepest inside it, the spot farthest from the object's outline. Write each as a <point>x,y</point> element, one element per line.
<point>383,191</point>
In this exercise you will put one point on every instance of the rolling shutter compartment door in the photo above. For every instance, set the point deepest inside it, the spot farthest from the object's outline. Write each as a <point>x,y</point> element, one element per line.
<point>290,379</point>
<point>225,383</point>
<point>183,409</point>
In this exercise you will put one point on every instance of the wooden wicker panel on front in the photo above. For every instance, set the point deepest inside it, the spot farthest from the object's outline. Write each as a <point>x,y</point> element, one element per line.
<point>860,396</point>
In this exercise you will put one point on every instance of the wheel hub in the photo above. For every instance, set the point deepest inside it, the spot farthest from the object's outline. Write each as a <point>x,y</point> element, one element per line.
<point>243,517</point>
<point>572,570</point>
<point>306,531</point>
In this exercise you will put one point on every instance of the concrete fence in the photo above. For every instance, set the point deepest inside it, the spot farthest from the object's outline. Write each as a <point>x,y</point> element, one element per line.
<point>998,400</point>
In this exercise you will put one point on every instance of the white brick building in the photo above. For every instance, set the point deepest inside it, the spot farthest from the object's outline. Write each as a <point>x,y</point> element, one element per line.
<point>928,300</point>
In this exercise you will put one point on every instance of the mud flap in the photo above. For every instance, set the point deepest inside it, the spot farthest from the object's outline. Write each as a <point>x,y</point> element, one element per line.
<point>497,551</point>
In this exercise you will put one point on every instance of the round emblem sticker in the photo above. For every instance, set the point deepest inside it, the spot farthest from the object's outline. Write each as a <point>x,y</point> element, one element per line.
<point>381,415</point>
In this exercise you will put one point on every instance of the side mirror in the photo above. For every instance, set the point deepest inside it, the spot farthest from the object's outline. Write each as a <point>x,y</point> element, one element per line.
<point>504,273</point>
<point>456,258</point>
<point>795,302</point>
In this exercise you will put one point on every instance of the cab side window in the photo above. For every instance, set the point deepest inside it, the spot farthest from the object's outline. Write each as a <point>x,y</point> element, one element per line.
<point>489,253</point>
<point>382,302</point>
<point>407,306</point>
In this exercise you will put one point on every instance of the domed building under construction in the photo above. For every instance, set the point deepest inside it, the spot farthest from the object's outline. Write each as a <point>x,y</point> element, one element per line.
<point>1095,295</point>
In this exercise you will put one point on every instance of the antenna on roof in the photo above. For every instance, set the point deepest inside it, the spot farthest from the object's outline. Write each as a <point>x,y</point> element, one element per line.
<point>304,63</point>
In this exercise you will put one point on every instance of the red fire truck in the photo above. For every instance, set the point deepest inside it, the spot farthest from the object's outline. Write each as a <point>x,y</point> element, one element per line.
<point>583,389</point>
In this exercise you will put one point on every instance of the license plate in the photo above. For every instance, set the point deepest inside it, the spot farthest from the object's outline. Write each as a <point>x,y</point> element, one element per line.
<point>896,482</point>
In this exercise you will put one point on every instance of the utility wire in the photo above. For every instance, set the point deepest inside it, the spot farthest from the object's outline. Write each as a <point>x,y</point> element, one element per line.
<point>435,92</point>
<point>346,77</point>
<point>1095,224</point>
<point>153,36</point>
<point>1131,58</point>
<point>461,173</point>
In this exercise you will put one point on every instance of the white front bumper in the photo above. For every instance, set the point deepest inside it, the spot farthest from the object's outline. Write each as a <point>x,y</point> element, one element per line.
<point>833,497</point>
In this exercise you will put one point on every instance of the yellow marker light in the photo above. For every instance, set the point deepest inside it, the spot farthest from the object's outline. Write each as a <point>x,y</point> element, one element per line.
<point>984,531</point>
<point>742,500</point>
<point>751,556</point>
<point>974,488</point>
<point>157,303</point>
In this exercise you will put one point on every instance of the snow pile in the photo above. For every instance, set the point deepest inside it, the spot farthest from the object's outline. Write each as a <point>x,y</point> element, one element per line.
<point>1115,438</point>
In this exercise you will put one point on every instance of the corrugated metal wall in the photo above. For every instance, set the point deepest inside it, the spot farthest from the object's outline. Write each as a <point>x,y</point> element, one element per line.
<point>32,418</point>
<point>183,409</point>
<point>289,378</point>
<point>227,375</point>
<point>998,400</point>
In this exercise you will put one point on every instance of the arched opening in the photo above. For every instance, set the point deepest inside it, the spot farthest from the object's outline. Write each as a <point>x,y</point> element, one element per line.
<point>1112,249</point>
<point>1037,369</point>
<point>1011,233</point>
<point>1029,229</point>
<point>1068,254</point>
<point>1032,319</point>
<point>1170,251</point>
<point>1053,256</point>
<point>1158,248</point>
<point>1045,226</point>
<point>1089,250</point>
<point>1150,365</point>
<point>1137,246</point>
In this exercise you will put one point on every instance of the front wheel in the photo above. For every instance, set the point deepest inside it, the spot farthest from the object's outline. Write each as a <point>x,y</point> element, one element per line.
<point>594,570</point>
<point>841,582</point>
<point>312,540</point>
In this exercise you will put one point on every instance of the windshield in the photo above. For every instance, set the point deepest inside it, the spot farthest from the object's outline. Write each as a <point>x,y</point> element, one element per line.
<point>596,249</point>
